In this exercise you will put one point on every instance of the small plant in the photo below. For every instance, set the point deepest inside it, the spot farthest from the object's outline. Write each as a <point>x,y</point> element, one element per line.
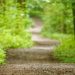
<point>2,56</point>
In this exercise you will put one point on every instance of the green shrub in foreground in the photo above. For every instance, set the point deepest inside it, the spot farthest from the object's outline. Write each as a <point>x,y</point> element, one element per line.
<point>12,40</point>
<point>66,51</point>
<point>9,40</point>
<point>13,23</point>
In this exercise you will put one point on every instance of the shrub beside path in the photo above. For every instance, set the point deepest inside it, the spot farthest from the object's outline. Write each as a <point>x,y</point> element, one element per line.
<point>37,60</point>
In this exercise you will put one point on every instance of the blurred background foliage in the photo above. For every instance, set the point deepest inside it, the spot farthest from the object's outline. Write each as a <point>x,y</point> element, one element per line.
<point>58,17</point>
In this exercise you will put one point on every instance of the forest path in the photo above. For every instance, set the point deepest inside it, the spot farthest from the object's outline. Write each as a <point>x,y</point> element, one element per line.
<point>37,60</point>
<point>36,34</point>
<point>41,52</point>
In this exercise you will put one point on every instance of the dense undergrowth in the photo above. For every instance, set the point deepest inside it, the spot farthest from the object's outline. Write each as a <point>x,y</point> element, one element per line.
<point>13,24</point>
<point>58,24</point>
<point>65,52</point>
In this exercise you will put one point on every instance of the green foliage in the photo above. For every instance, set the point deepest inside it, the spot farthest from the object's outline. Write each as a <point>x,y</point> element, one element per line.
<point>18,18</point>
<point>56,36</point>
<point>21,40</point>
<point>13,25</point>
<point>2,56</point>
<point>58,17</point>
<point>66,51</point>
<point>36,7</point>
<point>58,24</point>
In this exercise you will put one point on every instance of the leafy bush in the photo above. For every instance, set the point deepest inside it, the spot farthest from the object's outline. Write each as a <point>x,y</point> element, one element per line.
<point>9,40</point>
<point>13,25</point>
<point>65,52</point>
